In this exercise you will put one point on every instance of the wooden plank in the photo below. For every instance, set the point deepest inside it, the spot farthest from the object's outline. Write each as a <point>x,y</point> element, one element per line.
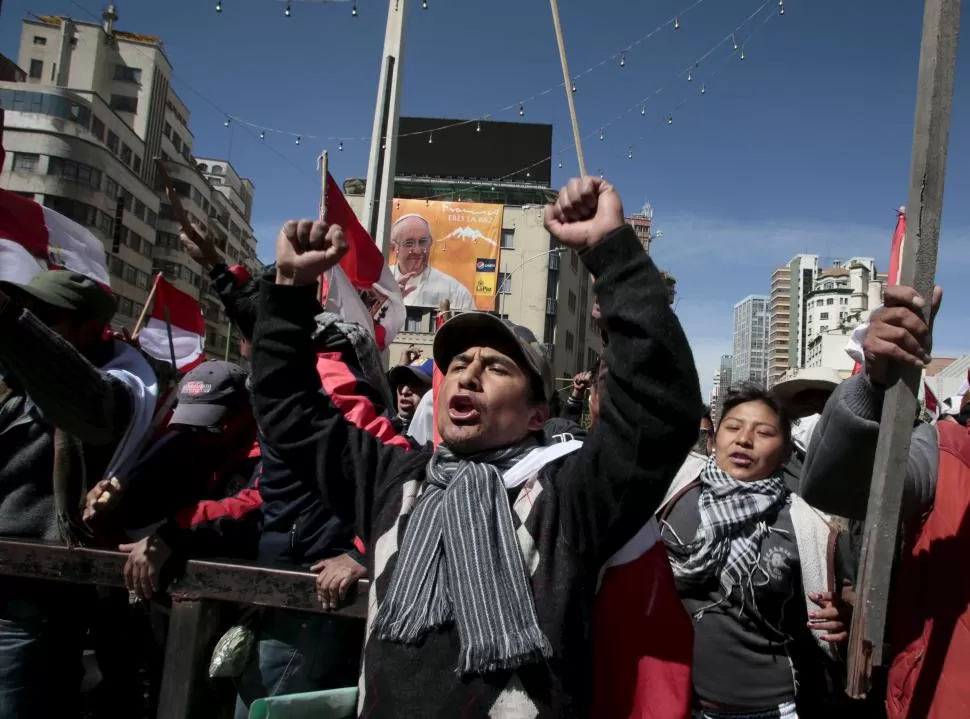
<point>225,581</point>
<point>867,643</point>
<point>191,631</point>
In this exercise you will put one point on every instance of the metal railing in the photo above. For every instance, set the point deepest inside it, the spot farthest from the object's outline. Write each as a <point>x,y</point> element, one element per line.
<point>198,596</point>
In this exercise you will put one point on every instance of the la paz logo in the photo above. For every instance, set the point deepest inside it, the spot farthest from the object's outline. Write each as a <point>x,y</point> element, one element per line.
<point>195,389</point>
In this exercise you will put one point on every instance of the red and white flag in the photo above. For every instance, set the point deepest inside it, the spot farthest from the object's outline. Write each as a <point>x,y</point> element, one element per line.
<point>361,272</point>
<point>34,238</point>
<point>854,347</point>
<point>182,311</point>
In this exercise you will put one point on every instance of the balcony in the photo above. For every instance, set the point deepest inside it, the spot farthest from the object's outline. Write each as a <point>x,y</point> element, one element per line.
<point>552,306</point>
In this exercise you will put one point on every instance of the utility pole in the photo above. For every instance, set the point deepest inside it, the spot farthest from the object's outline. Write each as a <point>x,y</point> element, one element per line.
<point>382,162</point>
<point>917,268</point>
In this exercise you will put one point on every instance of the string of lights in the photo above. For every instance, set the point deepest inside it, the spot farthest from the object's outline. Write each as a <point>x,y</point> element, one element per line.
<point>618,57</point>
<point>736,52</point>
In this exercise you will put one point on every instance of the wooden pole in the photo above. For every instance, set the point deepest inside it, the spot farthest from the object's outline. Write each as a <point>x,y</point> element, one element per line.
<point>867,643</point>
<point>568,84</point>
<point>147,308</point>
<point>322,164</point>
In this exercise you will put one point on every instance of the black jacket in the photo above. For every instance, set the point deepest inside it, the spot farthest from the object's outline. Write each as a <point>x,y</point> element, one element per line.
<point>571,517</point>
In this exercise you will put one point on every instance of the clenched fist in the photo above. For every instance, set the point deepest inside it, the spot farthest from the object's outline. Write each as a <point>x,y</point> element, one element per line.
<point>586,211</point>
<point>306,249</point>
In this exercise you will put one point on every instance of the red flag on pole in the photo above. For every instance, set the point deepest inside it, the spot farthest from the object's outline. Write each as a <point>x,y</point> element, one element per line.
<point>895,252</point>
<point>182,312</point>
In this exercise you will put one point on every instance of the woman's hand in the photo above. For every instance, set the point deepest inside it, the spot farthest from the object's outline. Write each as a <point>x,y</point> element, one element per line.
<point>834,617</point>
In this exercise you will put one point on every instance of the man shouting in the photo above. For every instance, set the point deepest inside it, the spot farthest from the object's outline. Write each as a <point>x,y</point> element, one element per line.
<point>485,552</point>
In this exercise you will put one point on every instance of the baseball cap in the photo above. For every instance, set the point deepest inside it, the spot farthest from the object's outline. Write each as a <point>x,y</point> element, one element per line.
<point>416,372</point>
<point>479,329</point>
<point>208,392</point>
<point>71,291</point>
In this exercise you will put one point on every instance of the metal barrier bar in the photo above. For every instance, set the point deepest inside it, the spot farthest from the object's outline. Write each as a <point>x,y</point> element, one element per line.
<point>210,580</point>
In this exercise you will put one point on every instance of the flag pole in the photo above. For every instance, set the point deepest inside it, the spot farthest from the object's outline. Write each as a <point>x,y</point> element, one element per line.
<point>149,301</point>
<point>323,165</point>
<point>228,338</point>
<point>568,85</point>
<point>917,267</point>
<point>171,342</point>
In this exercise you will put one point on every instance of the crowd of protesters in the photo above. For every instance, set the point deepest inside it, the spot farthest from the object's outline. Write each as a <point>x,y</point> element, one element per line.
<point>625,558</point>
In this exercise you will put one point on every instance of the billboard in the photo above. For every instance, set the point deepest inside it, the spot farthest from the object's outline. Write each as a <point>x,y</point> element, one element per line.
<point>446,251</point>
<point>480,150</point>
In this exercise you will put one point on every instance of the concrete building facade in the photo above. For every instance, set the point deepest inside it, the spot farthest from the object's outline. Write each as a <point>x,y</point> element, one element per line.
<point>81,132</point>
<point>750,340</point>
<point>779,324</point>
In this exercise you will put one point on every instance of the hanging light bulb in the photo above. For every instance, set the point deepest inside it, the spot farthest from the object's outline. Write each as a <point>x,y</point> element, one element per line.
<point>703,89</point>
<point>228,122</point>
<point>602,135</point>
<point>781,7</point>
<point>574,87</point>
<point>297,139</point>
<point>218,5</point>
<point>690,76</point>
<point>424,4</point>
<point>741,56</point>
<point>643,111</point>
<point>262,134</point>
<point>353,10</point>
<point>629,155</point>
<point>430,138</point>
<point>622,59</point>
<point>600,171</point>
<point>521,110</point>
<point>677,23</point>
<point>734,43</point>
<point>340,146</point>
<point>670,119</point>
<point>478,127</point>
<point>560,164</point>
<point>528,174</point>
<point>287,12</point>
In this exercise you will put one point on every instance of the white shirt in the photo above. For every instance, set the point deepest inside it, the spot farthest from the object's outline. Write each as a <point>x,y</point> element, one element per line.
<point>432,286</point>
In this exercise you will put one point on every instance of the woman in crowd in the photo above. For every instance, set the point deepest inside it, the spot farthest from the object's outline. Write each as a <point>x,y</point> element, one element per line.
<point>751,561</point>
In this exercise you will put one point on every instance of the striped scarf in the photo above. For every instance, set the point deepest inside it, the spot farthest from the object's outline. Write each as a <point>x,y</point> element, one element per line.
<point>734,522</point>
<point>460,562</point>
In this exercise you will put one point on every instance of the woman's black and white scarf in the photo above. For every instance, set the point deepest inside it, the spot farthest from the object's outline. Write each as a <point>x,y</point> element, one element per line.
<point>734,522</point>
<point>460,562</point>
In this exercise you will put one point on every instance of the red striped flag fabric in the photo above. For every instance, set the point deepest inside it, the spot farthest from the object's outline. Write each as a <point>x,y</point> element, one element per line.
<point>182,311</point>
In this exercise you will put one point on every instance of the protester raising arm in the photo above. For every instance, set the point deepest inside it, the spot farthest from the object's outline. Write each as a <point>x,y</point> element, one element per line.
<point>651,405</point>
<point>838,468</point>
<point>331,431</point>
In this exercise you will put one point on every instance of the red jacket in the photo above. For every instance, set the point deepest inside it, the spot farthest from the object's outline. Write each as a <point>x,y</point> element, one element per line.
<point>930,674</point>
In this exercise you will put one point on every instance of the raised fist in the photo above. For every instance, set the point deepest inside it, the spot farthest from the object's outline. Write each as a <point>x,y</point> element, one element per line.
<point>306,249</point>
<point>586,211</point>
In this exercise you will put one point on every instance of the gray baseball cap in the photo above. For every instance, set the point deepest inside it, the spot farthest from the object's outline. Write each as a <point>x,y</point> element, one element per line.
<point>208,392</point>
<point>480,329</point>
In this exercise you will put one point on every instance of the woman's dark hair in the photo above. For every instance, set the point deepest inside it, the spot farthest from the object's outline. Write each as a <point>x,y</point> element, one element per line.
<point>753,392</point>
<point>706,413</point>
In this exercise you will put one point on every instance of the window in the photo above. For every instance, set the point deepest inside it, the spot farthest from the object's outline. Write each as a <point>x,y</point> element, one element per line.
<point>412,322</point>
<point>130,274</point>
<point>151,219</point>
<point>569,341</point>
<point>508,239</point>
<point>97,128</point>
<point>571,301</point>
<point>830,301</point>
<point>203,167</point>
<point>36,69</point>
<point>112,142</point>
<point>823,315</point>
<point>74,171</point>
<point>177,141</point>
<point>234,230</point>
<point>574,261</point>
<point>823,328</point>
<point>111,188</point>
<point>123,73</point>
<point>136,165</point>
<point>25,162</point>
<point>125,154</point>
<point>505,283</point>
<point>167,131</point>
<point>124,305</point>
<point>38,40</point>
<point>141,280</point>
<point>139,210</point>
<point>124,103</point>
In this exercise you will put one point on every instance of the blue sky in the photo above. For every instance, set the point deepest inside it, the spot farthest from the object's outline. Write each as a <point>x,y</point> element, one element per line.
<point>802,147</point>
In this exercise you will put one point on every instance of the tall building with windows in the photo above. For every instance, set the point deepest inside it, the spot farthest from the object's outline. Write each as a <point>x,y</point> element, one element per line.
<point>749,363</point>
<point>81,131</point>
<point>779,324</point>
<point>802,270</point>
